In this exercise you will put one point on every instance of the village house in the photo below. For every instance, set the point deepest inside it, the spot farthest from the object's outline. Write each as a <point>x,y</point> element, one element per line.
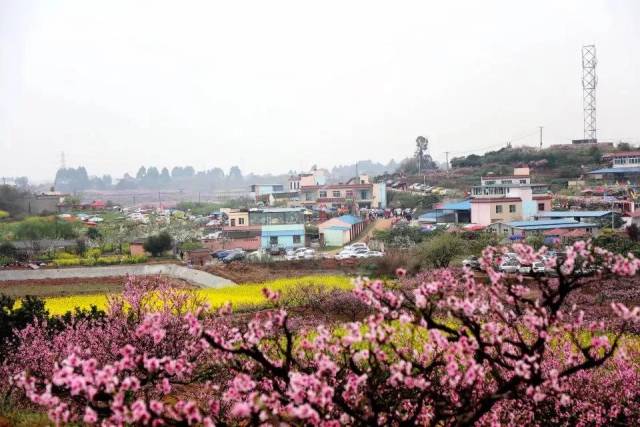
<point>623,167</point>
<point>522,229</point>
<point>340,230</point>
<point>508,198</point>
<point>344,196</point>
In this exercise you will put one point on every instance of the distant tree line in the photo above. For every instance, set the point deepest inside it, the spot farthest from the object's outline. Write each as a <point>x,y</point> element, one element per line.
<point>186,177</point>
<point>77,179</point>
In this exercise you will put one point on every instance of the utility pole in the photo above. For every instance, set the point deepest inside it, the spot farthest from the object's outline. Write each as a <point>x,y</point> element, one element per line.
<point>541,137</point>
<point>446,153</point>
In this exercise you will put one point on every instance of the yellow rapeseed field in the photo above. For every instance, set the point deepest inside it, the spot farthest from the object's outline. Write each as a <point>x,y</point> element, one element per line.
<point>245,295</point>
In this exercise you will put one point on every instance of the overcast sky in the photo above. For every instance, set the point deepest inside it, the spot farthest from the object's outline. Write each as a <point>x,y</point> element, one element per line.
<point>278,85</point>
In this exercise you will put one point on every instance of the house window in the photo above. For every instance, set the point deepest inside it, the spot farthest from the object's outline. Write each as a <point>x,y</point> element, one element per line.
<point>296,239</point>
<point>540,206</point>
<point>364,194</point>
<point>512,208</point>
<point>498,209</point>
<point>523,181</point>
<point>323,194</point>
<point>336,194</point>
<point>349,193</point>
<point>240,221</point>
<point>233,222</point>
<point>308,197</point>
<point>273,240</point>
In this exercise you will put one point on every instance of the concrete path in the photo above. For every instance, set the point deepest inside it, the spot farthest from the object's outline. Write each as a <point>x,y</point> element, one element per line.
<point>197,277</point>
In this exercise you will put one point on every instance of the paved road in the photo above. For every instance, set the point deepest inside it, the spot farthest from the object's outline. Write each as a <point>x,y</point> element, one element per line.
<point>197,277</point>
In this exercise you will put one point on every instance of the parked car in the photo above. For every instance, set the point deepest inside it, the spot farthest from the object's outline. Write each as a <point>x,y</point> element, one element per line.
<point>346,254</point>
<point>300,253</point>
<point>234,256</point>
<point>222,253</point>
<point>509,266</point>
<point>275,250</point>
<point>525,268</point>
<point>369,254</point>
<point>357,246</point>
<point>473,262</point>
<point>538,267</point>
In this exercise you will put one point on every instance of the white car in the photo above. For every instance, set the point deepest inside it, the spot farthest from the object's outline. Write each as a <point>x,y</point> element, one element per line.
<point>293,254</point>
<point>370,254</point>
<point>307,253</point>
<point>346,254</point>
<point>357,246</point>
<point>509,266</point>
<point>538,267</point>
<point>525,269</point>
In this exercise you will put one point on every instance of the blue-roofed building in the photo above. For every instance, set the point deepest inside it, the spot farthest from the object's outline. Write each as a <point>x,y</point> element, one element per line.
<point>340,230</point>
<point>583,216</point>
<point>625,166</point>
<point>284,236</point>
<point>451,212</point>
<point>524,228</point>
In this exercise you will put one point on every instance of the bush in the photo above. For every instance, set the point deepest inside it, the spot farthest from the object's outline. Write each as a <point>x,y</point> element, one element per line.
<point>93,253</point>
<point>67,262</point>
<point>8,251</point>
<point>66,255</point>
<point>440,250</point>
<point>158,244</point>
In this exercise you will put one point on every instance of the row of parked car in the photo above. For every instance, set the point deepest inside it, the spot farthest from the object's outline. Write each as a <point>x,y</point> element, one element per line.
<point>428,189</point>
<point>510,264</point>
<point>357,250</point>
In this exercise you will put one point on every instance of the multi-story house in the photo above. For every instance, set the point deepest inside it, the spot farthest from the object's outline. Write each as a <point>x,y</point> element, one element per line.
<point>344,196</point>
<point>624,167</point>
<point>508,198</point>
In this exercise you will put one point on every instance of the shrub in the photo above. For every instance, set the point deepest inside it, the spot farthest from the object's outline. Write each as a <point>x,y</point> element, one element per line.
<point>65,255</point>
<point>8,250</point>
<point>67,262</point>
<point>93,252</point>
<point>440,250</point>
<point>444,349</point>
<point>158,244</point>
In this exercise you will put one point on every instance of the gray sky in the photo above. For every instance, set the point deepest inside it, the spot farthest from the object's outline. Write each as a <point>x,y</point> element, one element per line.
<point>278,85</point>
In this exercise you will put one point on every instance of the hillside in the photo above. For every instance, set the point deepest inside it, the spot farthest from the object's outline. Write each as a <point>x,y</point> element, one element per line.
<point>554,165</point>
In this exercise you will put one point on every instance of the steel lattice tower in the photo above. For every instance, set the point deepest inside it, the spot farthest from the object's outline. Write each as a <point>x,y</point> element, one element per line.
<point>589,83</point>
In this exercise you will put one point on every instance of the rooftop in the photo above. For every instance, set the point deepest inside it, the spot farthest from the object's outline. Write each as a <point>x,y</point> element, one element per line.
<point>621,154</point>
<point>617,170</point>
<point>276,210</point>
<point>573,214</point>
<point>549,224</point>
<point>462,205</point>
<point>349,219</point>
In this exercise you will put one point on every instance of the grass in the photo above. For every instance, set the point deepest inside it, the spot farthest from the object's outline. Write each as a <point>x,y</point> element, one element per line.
<point>46,290</point>
<point>241,296</point>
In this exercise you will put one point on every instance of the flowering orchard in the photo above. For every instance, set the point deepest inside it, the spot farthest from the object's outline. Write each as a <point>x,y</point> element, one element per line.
<point>443,349</point>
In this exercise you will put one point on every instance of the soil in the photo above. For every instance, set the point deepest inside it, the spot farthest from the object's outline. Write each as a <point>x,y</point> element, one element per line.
<point>69,286</point>
<point>245,272</point>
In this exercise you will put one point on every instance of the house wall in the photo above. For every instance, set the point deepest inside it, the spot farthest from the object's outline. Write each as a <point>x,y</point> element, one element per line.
<point>248,244</point>
<point>379,196</point>
<point>335,237</point>
<point>236,218</point>
<point>484,213</point>
<point>284,234</point>
<point>481,213</point>
<point>136,249</point>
